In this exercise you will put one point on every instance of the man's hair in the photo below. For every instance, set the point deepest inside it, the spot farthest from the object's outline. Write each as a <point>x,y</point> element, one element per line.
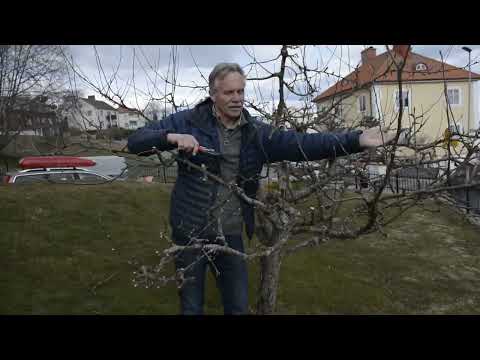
<point>220,71</point>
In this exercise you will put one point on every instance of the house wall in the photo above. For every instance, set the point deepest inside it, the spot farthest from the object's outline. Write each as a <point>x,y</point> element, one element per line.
<point>79,117</point>
<point>426,102</point>
<point>125,118</point>
<point>476,104</point>
<point>350,106</point>
<point>110,117</point>
<point>97,119</point>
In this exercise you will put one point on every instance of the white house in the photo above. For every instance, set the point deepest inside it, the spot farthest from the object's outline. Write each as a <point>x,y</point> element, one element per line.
<point>130,119</point>
<point>91,114</point>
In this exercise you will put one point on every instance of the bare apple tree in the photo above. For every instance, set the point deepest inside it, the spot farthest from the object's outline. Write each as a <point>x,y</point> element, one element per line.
<point>306,204</point>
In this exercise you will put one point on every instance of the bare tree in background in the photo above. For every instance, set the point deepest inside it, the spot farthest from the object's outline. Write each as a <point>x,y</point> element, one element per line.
<point>29,75</point>
<point>308,204</point>
<point>157,111</point>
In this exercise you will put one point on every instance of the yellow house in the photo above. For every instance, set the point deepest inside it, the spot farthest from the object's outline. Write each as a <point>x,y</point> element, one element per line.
<point>371,92</point>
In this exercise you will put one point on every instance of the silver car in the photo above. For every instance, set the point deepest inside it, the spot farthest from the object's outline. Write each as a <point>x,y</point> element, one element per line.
<point>57,176</point>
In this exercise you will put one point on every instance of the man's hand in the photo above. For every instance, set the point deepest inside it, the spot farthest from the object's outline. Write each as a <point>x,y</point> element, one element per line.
<point>184,142</point>
<point>374,137</point>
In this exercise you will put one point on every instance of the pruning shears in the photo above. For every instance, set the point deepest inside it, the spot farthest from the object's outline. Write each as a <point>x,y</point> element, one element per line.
<point>208,151</point>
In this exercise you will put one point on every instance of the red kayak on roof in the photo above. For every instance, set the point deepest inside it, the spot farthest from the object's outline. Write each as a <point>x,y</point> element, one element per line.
<point>34,162</point>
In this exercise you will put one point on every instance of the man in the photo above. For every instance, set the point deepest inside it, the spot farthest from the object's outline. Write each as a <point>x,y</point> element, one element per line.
<point>203,208</point>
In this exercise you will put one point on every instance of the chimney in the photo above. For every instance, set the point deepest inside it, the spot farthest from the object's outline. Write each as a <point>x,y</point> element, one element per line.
<point>91,97</point>
<point>368,54</point>
<point>401,50</point>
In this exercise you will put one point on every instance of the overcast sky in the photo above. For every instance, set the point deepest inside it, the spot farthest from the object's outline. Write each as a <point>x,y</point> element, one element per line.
<point>138,70</point>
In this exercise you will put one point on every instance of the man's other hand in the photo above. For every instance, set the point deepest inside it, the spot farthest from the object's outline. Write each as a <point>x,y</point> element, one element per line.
<point>375,137</point>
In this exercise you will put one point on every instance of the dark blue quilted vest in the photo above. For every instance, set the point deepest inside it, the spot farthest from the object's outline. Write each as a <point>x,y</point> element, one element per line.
<point>193,196</point>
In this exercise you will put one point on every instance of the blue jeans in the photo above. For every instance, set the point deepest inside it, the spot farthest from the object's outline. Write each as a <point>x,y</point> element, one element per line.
<point>232,280</point>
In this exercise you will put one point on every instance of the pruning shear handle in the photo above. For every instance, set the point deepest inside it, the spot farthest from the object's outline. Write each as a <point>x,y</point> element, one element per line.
<point>208,151</point>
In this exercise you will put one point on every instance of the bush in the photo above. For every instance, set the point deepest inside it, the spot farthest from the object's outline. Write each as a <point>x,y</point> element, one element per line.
<point>112,133</point>
<point>118,133</point>
<point>75,132</point>
<point>271,186</point>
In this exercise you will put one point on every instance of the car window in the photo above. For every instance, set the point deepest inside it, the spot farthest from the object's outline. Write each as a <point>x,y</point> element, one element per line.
<point>60,178</point>
<point>30,179</point>
<point>87,178</point>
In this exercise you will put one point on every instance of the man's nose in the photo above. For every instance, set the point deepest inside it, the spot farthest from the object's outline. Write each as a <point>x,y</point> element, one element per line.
<point>238,98</point>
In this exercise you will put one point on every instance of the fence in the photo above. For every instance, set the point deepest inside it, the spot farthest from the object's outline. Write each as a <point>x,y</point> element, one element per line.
<point>468,197</point>
<point>159,173</point>
<point>395,184</point>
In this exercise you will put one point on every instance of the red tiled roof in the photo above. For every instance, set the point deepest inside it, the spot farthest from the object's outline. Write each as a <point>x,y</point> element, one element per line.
<point>382,70</point>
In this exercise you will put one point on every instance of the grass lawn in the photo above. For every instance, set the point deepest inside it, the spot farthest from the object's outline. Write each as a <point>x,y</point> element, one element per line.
<point>58,243</point>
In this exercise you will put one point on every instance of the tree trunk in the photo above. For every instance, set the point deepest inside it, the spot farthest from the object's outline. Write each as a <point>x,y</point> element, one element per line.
<point>269,281</point>
<point>271,233</point>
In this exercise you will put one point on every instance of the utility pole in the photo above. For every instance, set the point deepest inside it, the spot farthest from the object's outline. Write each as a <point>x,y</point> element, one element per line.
<point>467,49</point>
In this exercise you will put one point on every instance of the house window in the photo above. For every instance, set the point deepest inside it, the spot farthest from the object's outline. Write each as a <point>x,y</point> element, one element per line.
<point>453,96</point>
<point>421,67</point>
<point>133,124</point>
<point>456,128</point>
<point>362,103</point>
<point>404,99</point>
<point>89,113</point>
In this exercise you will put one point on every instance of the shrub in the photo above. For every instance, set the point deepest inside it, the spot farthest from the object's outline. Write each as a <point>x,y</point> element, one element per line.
<point>118,133</point>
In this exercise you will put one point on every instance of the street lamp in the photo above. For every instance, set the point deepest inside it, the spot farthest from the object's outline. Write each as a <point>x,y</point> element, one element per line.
<point>467,49</point>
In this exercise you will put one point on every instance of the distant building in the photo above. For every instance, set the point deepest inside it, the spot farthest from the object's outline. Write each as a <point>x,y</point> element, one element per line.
<point>90,114</point>
<point>28,115</point>
<point>130,119</point>
<point>370,94</point>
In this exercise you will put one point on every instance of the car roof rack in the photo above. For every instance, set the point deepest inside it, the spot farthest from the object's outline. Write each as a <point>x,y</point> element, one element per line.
<point>53,169</point>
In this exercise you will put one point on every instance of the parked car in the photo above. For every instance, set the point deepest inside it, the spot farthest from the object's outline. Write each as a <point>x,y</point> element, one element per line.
<point>56,176</point>
<point>68,169</point>
<point>110,165</point>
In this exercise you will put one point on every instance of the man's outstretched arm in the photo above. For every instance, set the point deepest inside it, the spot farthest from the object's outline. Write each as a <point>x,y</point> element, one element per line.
<point>294,146</point>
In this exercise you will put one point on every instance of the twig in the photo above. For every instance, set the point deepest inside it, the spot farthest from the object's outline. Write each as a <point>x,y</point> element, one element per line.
<point>104,281</point>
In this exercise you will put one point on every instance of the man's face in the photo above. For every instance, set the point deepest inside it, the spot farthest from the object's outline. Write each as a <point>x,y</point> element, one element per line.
<point>229,95</point>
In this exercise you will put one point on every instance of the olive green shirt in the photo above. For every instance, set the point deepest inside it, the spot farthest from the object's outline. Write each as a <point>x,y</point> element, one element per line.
<point>227,207</point>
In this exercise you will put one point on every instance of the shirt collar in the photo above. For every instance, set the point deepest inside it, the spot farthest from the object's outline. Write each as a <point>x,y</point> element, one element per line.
<point>240,122</point>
